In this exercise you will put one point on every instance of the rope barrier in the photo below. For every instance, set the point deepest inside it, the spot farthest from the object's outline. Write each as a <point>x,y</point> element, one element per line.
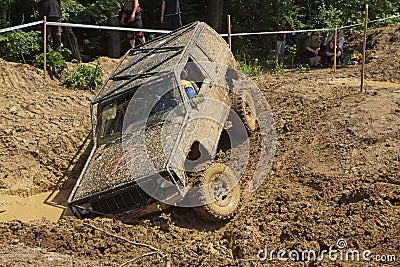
<point>310,30</point>
<point>275,32</point>
<point>99,27</point>
<point>377,20</point>
<point>21,26</point>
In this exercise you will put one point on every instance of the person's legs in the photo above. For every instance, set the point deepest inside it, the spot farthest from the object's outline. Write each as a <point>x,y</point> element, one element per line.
<point>168,23</point>
<point>280,50</point>
<point>139,25</point>
<point>176,21</point>
<point>318,62</point>
<point>277,55</point>
<point>311,61</point>
<point>57,44</point>
<point>277,59</point>
<point>48,35</point>
<point>340,55</point>
<point>132,42</point>
<point>131,38</point>
<point>142,39</point>
<point>314,61</point>
<point>54,35</point>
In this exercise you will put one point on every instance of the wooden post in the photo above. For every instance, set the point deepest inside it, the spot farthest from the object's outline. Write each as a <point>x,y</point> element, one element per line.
<point>335,51</point>
<point>364,48</point>
<point>44,47</point>
<point>229,32</point>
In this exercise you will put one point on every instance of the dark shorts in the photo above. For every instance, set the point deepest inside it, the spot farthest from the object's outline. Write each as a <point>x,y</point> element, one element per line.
<point>137,23</point>
<point>172,22</point>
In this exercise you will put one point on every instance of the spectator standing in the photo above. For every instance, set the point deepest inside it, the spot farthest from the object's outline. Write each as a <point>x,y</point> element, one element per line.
<point>280,40</point>
<point>132,17</point>
<point>312,48</point>
<point>171,14</point>
<point>52,10</point>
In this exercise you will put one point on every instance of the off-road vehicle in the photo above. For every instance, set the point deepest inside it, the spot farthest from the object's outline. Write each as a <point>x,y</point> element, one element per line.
<point>152,140</point>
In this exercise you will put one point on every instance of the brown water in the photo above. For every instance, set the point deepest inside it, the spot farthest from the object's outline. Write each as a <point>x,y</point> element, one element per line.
<point>32,208</point>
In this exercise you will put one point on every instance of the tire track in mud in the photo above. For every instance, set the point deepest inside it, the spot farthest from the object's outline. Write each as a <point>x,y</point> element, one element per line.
<point>303,204</point>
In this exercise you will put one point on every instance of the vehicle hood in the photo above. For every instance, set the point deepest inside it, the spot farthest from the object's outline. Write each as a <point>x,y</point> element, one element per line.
<point>137,154</point>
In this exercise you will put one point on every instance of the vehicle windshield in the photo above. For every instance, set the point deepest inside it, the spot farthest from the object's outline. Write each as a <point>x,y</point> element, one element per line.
<point>150,104</point>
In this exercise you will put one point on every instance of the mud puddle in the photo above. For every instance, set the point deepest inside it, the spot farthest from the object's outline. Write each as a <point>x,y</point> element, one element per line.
<point>36,207</point>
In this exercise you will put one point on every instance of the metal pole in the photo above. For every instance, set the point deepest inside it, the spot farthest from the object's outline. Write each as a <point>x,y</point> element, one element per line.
<point>364,48</point>
<point>229,32</point>
<point>44,47</point>
<point>335,51</point>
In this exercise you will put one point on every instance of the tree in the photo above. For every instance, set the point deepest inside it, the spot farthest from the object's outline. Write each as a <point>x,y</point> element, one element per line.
<point>111,10</point>
<point>214,15</point>
<point>247,16</point>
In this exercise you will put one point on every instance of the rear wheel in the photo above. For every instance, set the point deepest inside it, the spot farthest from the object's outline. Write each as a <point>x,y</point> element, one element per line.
<point>221,184</point>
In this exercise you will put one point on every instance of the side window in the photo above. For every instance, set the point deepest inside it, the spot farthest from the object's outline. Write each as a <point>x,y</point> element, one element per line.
<point>163,96</point>
<point>193,73</point>
<point>192,79</point>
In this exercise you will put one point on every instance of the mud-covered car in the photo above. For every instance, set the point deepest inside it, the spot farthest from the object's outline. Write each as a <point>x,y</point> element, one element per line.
<point>158,122</point>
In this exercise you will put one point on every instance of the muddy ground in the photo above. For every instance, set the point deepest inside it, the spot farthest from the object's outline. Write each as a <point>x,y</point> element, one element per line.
<point>336,175</point>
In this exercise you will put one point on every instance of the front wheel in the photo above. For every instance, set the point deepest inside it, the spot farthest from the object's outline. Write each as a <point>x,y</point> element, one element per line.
<point>244,106</point>
<point>223,190</point>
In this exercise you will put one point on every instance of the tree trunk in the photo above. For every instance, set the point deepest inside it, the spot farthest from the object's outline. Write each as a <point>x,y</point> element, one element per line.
<point>3,16</point>
<point>114,38</point>
<point>214,9</point>
<point>72,43</point>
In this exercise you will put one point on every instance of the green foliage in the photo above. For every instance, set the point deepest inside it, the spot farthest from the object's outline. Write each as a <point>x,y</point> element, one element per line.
<point>84,76</point>
<point>247,16</point>
<point>55,62</point>
<point>71,11</point>
<point>67,54</point>
<point>16,12</point>
<point>250,68</point>
<point>19,46</point>
<point>253,16</point>
<point>112,6</point>
<point>279,70</point>
<point>290,53</point>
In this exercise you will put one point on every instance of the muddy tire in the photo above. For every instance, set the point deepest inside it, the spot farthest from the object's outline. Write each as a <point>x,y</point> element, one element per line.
<point>226,204</point>
<point>245,108</point>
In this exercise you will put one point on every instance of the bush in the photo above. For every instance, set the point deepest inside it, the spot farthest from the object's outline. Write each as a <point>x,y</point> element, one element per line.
<point>84,76</point>
<point>55,62</point>
<point>250,69</point>
<point>19,46</point>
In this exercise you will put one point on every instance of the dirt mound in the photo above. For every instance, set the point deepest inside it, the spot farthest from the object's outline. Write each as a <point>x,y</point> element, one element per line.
<point>334,184</point>
<point>383,53</point>
<point>43,126</point>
